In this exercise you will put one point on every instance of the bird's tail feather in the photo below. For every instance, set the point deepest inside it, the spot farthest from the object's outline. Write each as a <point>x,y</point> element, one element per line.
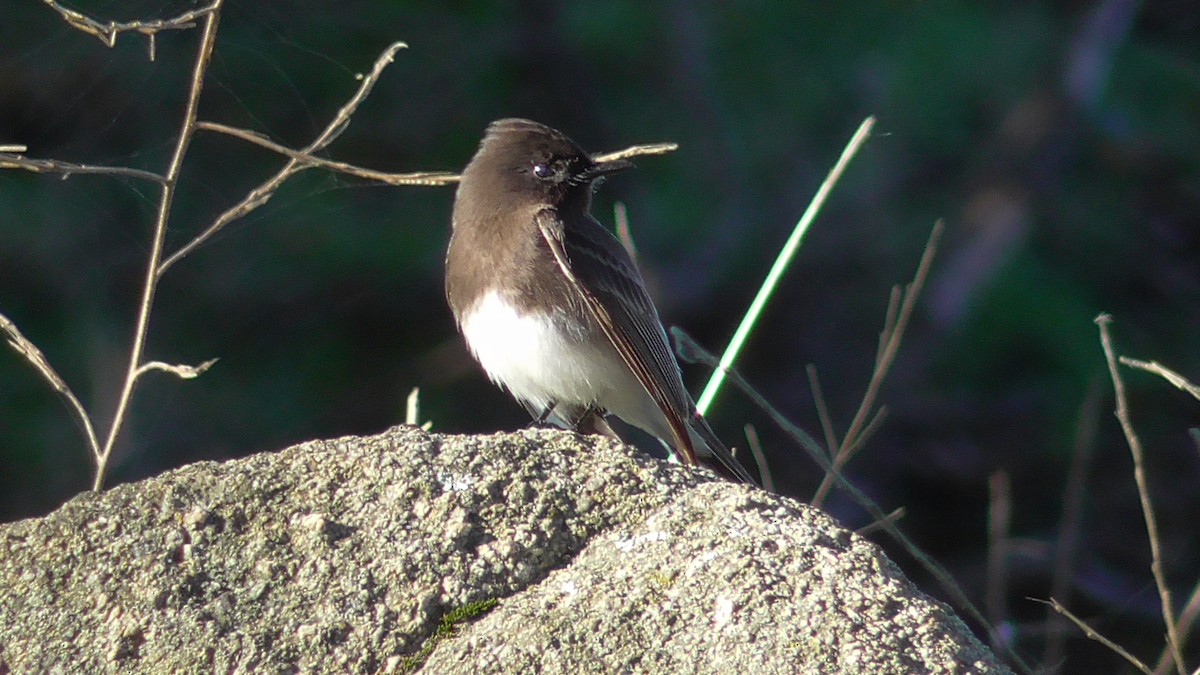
<point>709,448</point>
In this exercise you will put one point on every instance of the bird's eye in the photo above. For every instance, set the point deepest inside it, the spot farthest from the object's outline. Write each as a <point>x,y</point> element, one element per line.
<point>542,171</point>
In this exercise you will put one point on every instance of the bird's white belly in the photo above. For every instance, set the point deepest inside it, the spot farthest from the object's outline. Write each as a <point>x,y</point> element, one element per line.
<point>542,360</point>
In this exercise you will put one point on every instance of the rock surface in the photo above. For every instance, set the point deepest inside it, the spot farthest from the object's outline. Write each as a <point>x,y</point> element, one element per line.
<point>538,551</point>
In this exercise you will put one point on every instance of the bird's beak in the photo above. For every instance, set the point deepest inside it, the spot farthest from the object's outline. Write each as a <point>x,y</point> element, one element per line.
<point>601,169</point>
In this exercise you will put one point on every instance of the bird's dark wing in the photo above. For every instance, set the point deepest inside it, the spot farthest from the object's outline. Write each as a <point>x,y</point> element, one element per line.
<point>601,271</point>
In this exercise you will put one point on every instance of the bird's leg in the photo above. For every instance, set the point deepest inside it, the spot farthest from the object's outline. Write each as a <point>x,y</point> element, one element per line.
<point>592,422</point>
<point>540,417</point>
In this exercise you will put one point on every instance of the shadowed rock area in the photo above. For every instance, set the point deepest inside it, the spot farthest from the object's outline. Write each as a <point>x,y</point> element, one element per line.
<point>537,551</point>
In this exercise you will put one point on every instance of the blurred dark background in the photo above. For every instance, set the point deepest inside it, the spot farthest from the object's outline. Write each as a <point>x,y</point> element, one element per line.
<point>1059,141</point>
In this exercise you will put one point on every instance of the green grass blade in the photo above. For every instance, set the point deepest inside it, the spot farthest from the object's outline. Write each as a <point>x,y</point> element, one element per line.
<point>781,264</point>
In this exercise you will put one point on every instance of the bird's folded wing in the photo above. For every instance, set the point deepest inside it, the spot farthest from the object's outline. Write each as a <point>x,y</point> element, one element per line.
<point>597,275</point>
<point>599,265</point>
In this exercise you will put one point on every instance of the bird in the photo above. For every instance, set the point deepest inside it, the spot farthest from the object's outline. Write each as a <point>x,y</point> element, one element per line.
<point>551,304</point>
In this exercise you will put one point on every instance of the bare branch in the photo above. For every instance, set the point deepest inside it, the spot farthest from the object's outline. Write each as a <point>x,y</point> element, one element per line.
<point>37,359</point>
<point>1139,477</point>
<point>299,160</point>
<point>1091,633</point>
<point>307,160</point>
<point>1178,381</point>
<point>107,32</point>
<point>181,370</point>
<point>17,149</point>
<point>263,193</point>
<point>16,161</point>
<point>186,132</point>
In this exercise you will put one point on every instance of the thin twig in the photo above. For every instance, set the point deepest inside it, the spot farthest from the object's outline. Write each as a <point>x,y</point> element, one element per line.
<point>889,325</point>
<point>180,370</point>
<point>866,433</point>
<point>17,161</point>
<point>187,130</point>
<point>14,149</point>
<point>107,32</point>
<point>1139,477</point>
<point>1187,621</point>
<point>299,160</point>
<point>889,520</point>
<point>1178,381</point>
<point>782,261</point>
<point>1091,633</point>
<point>760,459</point>
<point>1071,526</point>
<point>38,360</point>
<point>636,151</point>
<point>814,383</point>
<point>895,323</point>
<point>999,520</point>
<point>421,178</point>
<point>307,160</point>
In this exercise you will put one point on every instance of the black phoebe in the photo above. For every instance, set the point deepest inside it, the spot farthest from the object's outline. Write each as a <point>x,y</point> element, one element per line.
<point>552,305</point>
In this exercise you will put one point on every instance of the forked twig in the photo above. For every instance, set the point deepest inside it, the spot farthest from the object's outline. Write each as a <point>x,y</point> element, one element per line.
<point>11,157</point>
<point>187,129</point>
<point>263,193</point>
<point>307,160</point>
<point>422,178</point>
<point>107,32</point>
<point>1139,478</point>
<point>299,160</point>
<point>900,309</point>
<point>1178,381</point>
<point>1191,609</point>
